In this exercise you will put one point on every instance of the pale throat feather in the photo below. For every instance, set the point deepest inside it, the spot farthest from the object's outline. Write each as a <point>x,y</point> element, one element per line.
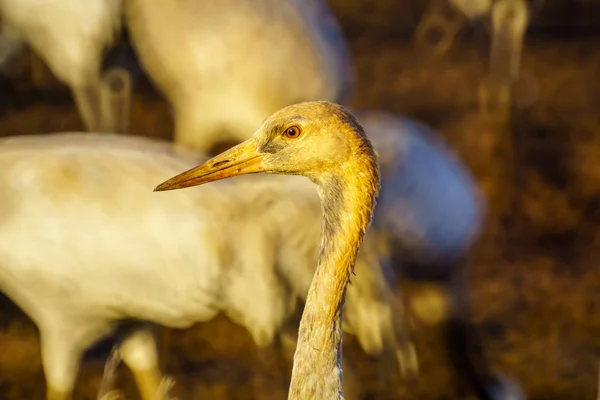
<point>347,199</point>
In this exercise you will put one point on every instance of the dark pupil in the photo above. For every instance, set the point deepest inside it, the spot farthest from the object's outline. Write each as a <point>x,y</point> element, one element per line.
<point>292,132</point>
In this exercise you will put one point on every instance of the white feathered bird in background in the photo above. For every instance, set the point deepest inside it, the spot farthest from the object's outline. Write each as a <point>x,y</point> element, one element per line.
<point>226,65</point>
<point>85,243</point>
<point>70,36</point>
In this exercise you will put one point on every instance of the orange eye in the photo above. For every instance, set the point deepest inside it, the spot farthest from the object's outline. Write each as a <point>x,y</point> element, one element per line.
<point>292,132</point>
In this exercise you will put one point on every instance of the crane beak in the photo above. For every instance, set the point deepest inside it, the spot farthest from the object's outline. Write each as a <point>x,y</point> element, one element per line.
<point>242,159</point>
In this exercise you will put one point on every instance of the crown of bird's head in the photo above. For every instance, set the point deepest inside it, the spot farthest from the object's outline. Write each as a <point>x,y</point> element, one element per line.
<point>310,139</point>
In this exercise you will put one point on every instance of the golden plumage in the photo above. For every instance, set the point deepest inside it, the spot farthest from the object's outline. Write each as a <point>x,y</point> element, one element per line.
<point>333,151</point>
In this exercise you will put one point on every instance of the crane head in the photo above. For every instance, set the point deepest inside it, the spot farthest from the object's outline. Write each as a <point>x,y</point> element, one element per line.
<point>310,139</point>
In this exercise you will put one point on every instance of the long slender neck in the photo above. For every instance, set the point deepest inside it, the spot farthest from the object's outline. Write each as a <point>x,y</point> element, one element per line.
<point>347,201</point>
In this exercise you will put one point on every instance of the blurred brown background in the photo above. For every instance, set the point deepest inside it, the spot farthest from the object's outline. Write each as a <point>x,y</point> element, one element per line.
<point>536,272</point>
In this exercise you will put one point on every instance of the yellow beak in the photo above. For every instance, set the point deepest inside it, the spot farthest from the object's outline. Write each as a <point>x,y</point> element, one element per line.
<point>239,160</point>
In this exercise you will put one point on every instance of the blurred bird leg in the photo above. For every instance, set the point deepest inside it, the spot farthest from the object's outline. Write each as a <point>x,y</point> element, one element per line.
<point>352,382</point>
<point>405,353</point>
<point>54,394</point>
<point>112,395</point>
<point>115,101</point>
<point>139,353</point>
<point>269,357</point>
<point>446,303</point>
<point>165,338</point>
<point>40,73</point>
<point>438,28</point>
<point>399,349</point>
<point>9,49</point>
<point>473,9</point>
<point>62,343</point>
<point>398,360</point>
<point>509,23</point>
<point>494,99</point>
<point>377,317</point>
<point>166,385</point>
<point>106,391</point>
<point>87,100</point>
<point>465,346</point>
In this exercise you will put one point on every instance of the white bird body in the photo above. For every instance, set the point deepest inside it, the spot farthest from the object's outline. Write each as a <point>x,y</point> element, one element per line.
<point>225,66</point>
<point>85,242</point>
<point>70,36</point>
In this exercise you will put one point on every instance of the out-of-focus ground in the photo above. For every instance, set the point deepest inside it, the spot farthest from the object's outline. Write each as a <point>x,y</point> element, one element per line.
<point>535,273</point>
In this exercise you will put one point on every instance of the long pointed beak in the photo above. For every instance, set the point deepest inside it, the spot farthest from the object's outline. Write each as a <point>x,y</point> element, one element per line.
<point>239,160</point>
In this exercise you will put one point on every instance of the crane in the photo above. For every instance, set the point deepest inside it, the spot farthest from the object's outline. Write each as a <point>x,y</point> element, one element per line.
<point>325,143</point>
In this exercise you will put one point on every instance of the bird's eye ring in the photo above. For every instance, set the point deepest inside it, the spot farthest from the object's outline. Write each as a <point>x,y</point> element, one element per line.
<point>293,132</point>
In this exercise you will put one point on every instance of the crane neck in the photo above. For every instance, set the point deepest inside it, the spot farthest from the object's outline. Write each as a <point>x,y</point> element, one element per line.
<point>347,198</point>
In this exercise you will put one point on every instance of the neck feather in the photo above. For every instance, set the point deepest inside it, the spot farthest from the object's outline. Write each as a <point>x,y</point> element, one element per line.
<point>347,197</point>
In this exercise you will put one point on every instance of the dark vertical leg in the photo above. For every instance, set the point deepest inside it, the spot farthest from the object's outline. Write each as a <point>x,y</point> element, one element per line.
<point>268,381</point>
<point>399,360</point>
<point>138,351</point>
<point>465,347</point>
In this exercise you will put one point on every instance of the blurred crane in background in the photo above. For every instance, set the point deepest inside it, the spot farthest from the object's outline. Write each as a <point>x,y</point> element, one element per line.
<point>225,66</point>
<point>430,212</point>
